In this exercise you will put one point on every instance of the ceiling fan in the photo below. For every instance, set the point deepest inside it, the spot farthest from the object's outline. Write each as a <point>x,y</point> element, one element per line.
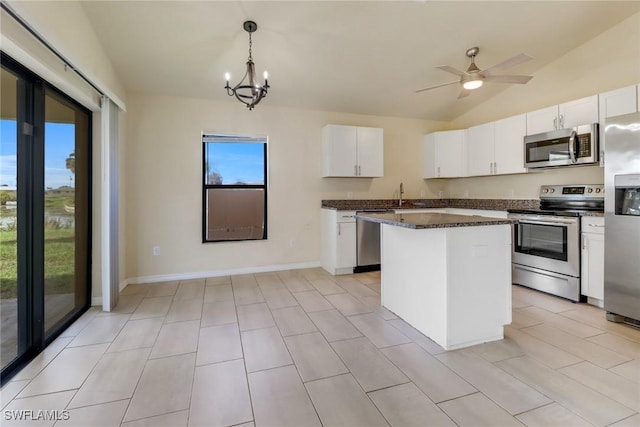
<point>474,77</point>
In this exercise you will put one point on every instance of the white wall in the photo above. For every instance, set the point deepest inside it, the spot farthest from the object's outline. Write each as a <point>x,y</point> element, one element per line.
<point>609,61</point>
<point>163,191</point>
<point>66,27</point>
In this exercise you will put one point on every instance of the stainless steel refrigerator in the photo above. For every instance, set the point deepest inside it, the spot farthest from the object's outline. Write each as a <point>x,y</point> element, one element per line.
<point>622,218</point>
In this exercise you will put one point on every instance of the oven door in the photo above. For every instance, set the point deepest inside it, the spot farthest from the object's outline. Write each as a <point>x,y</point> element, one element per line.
<point>547,242</point>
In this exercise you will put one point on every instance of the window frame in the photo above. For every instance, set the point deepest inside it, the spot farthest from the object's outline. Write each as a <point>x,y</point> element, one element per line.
<point>237,138</point>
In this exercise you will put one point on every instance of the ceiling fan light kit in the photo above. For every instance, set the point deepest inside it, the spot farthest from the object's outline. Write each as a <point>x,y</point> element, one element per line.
<point>252,92</point>
<point>474,77</point>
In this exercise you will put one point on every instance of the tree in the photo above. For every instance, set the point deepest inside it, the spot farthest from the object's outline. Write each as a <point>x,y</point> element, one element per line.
<point>70,163</point>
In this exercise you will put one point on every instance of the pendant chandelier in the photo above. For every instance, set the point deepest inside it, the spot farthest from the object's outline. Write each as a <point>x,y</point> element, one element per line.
<point>249,91</point>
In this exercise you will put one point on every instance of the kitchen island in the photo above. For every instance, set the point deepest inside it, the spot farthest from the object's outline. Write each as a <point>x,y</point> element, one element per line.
<point>448,276</point>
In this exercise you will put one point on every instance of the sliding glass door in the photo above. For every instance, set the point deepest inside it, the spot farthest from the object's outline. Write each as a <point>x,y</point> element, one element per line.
<point>9,348</point>
<point>45,189</point>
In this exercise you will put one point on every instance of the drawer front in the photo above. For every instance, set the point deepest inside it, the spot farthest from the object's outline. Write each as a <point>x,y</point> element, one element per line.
<point>346,216</point>
<point>593,224</point>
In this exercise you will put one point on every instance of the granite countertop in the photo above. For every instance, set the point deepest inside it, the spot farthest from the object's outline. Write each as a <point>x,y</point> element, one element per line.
<point>433,220</point>
<point>488,204</point>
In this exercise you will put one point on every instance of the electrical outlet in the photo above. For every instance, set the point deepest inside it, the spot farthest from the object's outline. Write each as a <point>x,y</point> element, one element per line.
<point>510,193</point>
<point>466,194</point>
<point>292,243</point>
<point>156,250</point>
<point>349,194</point>
<point>441,194</point>
<point>422,194</point>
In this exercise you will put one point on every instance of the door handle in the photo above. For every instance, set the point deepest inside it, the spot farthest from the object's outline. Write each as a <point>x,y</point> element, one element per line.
<point>572,145</point>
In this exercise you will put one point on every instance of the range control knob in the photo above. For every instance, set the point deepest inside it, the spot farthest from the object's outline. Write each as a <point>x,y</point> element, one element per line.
<point>597,190</point>
<point>552,190</point>
<point>590,190</point>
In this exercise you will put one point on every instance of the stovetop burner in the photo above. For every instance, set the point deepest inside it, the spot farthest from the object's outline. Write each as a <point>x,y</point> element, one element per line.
<point>568,200</point>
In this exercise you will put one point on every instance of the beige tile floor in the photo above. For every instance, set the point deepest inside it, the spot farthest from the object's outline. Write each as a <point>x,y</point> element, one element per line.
<point>303,348</point>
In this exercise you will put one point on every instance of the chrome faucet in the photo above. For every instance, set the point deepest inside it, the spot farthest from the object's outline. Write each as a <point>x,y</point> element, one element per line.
<point>401,193</point>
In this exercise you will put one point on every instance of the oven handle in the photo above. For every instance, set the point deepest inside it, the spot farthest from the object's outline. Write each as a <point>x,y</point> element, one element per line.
<point>572,145</point>
<point>552,222</point>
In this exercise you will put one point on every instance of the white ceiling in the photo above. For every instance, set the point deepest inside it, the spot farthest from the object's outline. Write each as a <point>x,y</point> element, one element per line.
<point>357,57</point>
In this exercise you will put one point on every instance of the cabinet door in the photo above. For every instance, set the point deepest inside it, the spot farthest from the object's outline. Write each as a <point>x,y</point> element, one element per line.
<point>509,145</point>
<point>480,151</point>
<point>544,120</point>
<point>618,102</point>
<point>370,152</point>
<point>582,111</point>
<point>450,154</point>
<point>339,150</point>
<point>346,245</point>
<point>593,265</point>
<point>429,156</point>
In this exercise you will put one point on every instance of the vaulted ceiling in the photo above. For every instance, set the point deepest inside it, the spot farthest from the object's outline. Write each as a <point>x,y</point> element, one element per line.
<point>357,57</point>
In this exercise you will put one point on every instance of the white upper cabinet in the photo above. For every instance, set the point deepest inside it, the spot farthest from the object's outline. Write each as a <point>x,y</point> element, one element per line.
<point>618,102</point>
<point>543,120</point>
<point>480,149</point>
<point>351,151</point>
<point>370,150</point>
<point>497,148</point>
<point>444,154</point>
<point>509,145</point>
<point>575,113</point>
<point>582,111</point>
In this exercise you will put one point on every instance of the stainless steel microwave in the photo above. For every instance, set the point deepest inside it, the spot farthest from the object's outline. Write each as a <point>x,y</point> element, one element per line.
<point>563,147</point>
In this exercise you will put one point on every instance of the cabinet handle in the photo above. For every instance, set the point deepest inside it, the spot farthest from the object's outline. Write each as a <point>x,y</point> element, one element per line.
<point>355,170</point>
<point>584,243</point>
<point>438,171</point>
<point>555,123</point>
<point>561,121</point>
<point>596,225</point>
<point>491,168</point>
<point>338,229</point>
<point>495,167</point>
<point>359,170</point>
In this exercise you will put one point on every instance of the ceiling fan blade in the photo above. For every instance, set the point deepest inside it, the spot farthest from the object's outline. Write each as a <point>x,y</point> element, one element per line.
<point>451,70</point>
<point>464,93</point>
<point>511,62</point>
<point>508,79</point>
<point>436,86</point>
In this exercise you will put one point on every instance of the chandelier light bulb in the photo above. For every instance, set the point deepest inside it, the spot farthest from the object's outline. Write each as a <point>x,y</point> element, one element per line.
<point>227,76</point>
<point>266,75</point>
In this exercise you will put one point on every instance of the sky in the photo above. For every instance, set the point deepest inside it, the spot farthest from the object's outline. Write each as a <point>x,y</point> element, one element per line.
<point>59,143</point>
<point>237,161</point>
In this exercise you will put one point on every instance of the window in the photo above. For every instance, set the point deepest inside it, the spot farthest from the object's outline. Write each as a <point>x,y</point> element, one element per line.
<point>234,188</point>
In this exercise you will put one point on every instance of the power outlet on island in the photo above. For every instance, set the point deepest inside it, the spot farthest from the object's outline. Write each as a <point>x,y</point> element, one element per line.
<point>156,251</point>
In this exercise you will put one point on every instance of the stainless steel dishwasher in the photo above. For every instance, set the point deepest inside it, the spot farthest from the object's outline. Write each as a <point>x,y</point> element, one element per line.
<point>368,243</point>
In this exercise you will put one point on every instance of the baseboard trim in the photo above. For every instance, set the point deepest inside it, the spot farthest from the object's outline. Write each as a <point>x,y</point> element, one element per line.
<point>217,273</point>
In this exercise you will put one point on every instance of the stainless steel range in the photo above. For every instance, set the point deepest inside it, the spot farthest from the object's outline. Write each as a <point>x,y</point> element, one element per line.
<point>546,242</point>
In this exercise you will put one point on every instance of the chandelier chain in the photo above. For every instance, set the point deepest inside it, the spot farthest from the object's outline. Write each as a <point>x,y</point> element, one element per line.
<point>250,45</point>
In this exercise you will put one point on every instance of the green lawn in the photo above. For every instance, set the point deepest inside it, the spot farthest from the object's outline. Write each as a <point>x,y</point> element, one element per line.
<point>59,262</point>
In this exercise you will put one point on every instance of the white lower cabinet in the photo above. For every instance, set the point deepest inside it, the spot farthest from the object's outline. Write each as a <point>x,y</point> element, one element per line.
<point>338,241</point>
<point>592,264</point>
